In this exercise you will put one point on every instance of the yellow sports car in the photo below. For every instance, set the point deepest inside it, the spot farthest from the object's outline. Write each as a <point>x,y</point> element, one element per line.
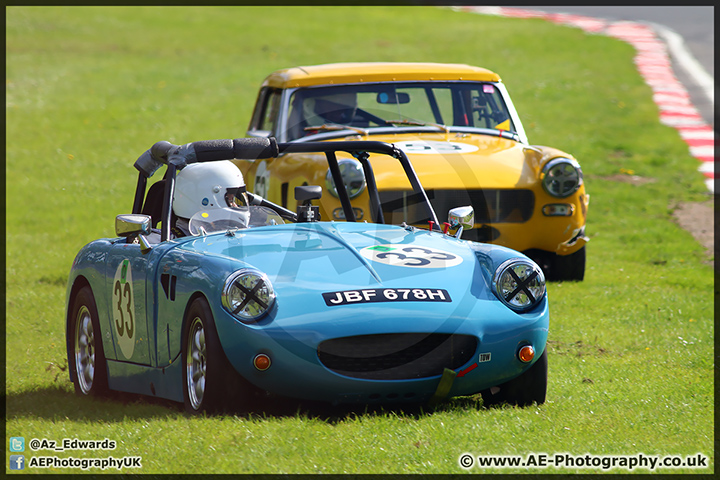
<point>462,134</point>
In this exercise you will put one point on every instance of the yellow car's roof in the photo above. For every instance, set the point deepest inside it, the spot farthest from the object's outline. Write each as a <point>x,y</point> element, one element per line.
<point>342,73</point>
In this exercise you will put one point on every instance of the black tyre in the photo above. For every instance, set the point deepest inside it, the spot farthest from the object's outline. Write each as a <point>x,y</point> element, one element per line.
<point>210,384</point>
<point>569,267</point>
<point>85,348</point>
<point>528,388</point>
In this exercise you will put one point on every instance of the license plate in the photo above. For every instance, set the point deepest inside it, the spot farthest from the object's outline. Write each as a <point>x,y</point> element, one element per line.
<point>375,295</point>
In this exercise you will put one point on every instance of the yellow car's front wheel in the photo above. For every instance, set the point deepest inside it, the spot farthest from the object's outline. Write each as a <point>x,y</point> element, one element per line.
<point>559,268</point>
<point>569,267</point>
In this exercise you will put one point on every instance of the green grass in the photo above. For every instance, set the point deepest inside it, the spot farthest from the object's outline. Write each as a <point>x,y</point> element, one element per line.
<point>89,89</point>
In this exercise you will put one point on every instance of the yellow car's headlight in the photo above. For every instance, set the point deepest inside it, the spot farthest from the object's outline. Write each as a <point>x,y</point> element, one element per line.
<point>353,177</point>
<point>561,177</point>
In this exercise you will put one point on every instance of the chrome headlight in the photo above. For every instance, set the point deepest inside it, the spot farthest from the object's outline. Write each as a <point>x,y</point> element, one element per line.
<point>561,177</point>
<point>353,177</point>
<point>248,294</point>
<point>519,284</point>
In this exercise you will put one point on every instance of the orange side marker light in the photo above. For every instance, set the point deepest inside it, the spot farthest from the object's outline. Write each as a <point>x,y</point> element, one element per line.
<point>262,362</point>
<point>526,354</point>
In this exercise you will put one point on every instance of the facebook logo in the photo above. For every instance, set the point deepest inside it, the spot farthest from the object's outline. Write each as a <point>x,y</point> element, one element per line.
<point>17,444</point>
<point>17,462</point>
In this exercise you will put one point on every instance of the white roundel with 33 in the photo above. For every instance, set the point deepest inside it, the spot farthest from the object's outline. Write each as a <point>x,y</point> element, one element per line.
<point>412,256</point>
<point>432,147</point>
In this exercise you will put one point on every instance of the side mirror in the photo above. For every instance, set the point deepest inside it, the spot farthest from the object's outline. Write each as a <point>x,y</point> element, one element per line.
<point>134,224</point>
<point>307,193</point>
<point>462,218</point>
<point>306,212</point>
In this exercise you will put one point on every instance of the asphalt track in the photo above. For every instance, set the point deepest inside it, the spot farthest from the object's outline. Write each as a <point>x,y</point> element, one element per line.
<point>663,58</point>
<point>688,32</point>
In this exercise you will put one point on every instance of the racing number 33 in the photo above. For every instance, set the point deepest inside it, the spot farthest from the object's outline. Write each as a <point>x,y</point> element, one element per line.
<point>123,294</point>
<point>410,256</point>
<point>124,308</point>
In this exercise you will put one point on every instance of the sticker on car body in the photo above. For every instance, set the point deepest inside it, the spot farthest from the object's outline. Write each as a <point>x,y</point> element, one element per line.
<point>410,256</point>
<point>375,295</point>
<point>432,147</point>
<point>123,307</point>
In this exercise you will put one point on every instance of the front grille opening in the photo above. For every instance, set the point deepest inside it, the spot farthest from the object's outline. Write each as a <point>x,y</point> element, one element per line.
<point>396,356</point>
<point>490,205</point>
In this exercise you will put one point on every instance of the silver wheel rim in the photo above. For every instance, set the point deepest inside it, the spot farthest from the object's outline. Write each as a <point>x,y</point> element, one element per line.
<point>195,363</point>
<point>84,350</point>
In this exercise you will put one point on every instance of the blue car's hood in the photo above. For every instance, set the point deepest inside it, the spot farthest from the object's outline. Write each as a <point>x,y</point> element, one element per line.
<point>339,256</point>
<point>311,264</point>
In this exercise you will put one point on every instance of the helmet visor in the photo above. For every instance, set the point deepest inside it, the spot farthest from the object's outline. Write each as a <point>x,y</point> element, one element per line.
<point>236,197</point>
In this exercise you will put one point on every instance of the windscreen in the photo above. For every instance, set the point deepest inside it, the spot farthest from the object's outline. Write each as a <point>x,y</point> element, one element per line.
<point>224,219</point>
<point>369,105</point>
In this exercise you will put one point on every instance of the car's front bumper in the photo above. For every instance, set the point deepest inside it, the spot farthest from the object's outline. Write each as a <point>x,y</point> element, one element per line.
<point>297,371</point>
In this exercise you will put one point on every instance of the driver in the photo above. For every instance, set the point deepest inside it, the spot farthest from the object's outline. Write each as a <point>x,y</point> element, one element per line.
<point>204,187</point>
<point>337,108</point>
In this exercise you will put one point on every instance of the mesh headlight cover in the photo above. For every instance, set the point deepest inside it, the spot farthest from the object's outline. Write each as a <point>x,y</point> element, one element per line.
<point>519,284</point>
<point>248,294</point>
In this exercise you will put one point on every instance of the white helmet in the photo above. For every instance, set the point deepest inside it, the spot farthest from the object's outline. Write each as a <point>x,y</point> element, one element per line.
<point>205,186</point>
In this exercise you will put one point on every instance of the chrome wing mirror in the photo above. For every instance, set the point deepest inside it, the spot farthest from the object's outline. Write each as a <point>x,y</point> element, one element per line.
<point>462,218</point>
<point>134,225</point>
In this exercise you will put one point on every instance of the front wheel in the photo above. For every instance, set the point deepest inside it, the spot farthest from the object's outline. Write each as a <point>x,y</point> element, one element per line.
<point>528,388</point>
<point>87,358</point>
<point>210,383</point>
<point>569,267</point>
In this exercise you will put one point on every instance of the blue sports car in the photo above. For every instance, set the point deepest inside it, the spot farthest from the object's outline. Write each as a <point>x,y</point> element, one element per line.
<point>213,296</point>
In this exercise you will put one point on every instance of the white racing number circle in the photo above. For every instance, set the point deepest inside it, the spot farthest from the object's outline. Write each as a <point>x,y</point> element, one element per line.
<point>431,147</point>
<point>123,308</point>
<point>262,180</point>
<point>412,256</point>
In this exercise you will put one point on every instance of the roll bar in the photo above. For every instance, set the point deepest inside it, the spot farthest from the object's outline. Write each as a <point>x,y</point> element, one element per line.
<point>176,157</point>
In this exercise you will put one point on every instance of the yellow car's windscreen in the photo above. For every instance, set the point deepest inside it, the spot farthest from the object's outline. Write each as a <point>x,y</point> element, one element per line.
<point>369,105</point>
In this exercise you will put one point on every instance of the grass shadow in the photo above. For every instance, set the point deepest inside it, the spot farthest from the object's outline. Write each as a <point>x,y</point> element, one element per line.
<point>281,407</point>
<point>60,404</point>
